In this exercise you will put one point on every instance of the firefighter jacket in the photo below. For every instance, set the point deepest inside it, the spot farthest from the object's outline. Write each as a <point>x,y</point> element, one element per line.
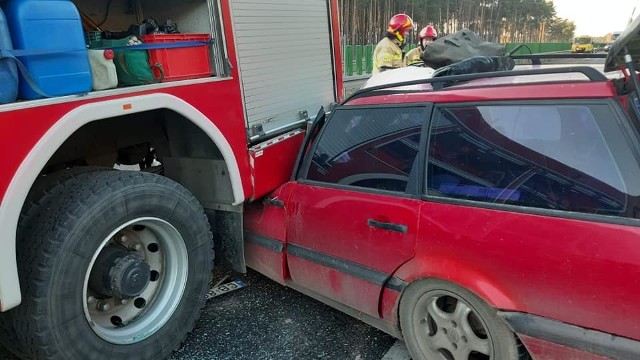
<point>413,56</point>
<point>387,55</point>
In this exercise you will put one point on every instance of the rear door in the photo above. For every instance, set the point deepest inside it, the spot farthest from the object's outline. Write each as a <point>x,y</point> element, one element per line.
<point>542,199</point>
<point>351,219</point>
<point>286,60</point>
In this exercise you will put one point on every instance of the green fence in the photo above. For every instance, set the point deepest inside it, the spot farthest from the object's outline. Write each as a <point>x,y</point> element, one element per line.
<point>358,59</point>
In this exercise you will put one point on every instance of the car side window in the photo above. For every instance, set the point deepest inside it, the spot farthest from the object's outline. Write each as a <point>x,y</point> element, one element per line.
<point>371,148</point>
<point>541,156</point>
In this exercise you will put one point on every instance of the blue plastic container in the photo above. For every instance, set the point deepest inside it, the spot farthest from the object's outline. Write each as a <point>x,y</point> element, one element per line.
<point>8,72</point>
<point>53,25</point>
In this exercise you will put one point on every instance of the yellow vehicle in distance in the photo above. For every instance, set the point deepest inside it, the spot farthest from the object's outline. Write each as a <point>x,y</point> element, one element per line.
<point>583,44</point>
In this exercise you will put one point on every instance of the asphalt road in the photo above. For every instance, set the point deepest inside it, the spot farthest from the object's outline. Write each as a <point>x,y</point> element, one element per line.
<point>266,320</point>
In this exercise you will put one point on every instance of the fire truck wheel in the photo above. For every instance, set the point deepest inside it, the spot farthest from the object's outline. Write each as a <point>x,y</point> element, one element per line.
<point>45,188</point>
<point>39,197</point>
<point>440,320</point>
<point>117,267</point>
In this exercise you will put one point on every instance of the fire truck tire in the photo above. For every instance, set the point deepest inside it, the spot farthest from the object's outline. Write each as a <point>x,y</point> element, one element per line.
<point>8,336</point>
<point>117,267</point>
<point>44,189</point>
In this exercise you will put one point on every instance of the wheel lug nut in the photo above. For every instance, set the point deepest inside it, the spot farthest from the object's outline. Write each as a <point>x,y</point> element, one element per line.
<point>91,300</point>
<point>124,238</point>
<point>136,247</point>
<point>102,306</point>
<point>455,346</point>
<point>445,331</point>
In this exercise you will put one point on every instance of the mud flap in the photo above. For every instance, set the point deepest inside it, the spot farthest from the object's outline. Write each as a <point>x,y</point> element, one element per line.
<point>226,225</point>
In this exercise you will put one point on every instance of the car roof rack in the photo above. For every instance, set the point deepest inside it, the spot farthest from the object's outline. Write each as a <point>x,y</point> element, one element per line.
<point>535,58</point>
<point>440,82</point>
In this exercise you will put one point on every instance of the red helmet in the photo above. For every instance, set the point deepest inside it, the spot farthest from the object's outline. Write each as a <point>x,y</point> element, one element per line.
<point>428,32</point>
<point>399,24</point>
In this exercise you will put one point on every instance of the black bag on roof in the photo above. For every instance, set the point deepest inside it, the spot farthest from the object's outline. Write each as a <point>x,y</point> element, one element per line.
<point>459,46</point>
<point>476,64</point>
<point>473,65</point>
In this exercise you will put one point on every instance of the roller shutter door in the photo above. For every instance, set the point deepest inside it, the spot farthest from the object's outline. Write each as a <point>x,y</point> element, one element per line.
<point>285,58</point>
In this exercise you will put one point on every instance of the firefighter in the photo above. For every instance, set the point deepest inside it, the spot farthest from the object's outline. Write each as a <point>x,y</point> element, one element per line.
<point>427,35</point>
<point>388,53</point>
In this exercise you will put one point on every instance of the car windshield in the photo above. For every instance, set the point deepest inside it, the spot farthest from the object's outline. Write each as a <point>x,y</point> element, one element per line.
<point>582,41</point>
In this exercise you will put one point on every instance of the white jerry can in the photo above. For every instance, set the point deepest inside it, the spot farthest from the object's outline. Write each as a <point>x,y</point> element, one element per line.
<point>103,70</point>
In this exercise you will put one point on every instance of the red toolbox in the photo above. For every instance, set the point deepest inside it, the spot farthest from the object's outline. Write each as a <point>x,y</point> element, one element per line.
<point>180,63</point>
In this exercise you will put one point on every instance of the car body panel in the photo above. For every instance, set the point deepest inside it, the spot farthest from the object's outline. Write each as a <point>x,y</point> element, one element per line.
<point>339,254</point>
<point>265,224</point>
<point>541,349</point>
<point>545,259</point>
<point>543,265</point>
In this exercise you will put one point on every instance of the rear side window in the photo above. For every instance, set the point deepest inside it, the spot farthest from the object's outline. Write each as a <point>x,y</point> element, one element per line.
<point>565,157</point>
<point>369,148</point>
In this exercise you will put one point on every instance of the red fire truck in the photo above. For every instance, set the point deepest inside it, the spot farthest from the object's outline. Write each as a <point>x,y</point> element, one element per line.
<point>126,256</point>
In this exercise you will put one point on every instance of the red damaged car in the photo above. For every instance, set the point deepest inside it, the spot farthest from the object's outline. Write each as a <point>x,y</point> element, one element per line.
<point>480,216</point>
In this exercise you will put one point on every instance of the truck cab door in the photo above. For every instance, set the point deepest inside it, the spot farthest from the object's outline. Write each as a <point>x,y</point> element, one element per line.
<point>352,220</point>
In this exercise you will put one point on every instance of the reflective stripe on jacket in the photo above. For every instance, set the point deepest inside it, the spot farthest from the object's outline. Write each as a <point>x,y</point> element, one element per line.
<point>387,54</point>
<point>413,56</point>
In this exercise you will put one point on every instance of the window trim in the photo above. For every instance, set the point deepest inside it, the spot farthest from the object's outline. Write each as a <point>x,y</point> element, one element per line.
<point>620,119</point>
<point>427,108</point>
<point>316,126</point>
<point>561,214</point>
<point>630,128</point>
<point>632,108</point>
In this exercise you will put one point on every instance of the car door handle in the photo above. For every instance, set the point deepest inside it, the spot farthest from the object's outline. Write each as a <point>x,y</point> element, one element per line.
<point>274,202</point>
<point>388,226</point>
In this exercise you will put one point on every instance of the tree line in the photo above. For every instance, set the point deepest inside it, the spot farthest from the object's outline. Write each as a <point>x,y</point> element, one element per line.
<point>506,21</point>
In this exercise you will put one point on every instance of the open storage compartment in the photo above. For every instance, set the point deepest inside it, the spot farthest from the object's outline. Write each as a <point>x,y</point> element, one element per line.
<point>196,50</point>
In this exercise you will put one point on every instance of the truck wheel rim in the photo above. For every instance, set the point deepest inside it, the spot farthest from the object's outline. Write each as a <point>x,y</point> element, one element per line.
<point>122,310</point>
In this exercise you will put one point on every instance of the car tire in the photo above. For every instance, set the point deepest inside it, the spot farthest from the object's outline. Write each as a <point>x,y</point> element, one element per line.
<point>118,267</point>
<point>440,320</point>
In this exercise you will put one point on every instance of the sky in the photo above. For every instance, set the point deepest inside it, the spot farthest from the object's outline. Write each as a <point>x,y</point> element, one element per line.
<point>597,18</point>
